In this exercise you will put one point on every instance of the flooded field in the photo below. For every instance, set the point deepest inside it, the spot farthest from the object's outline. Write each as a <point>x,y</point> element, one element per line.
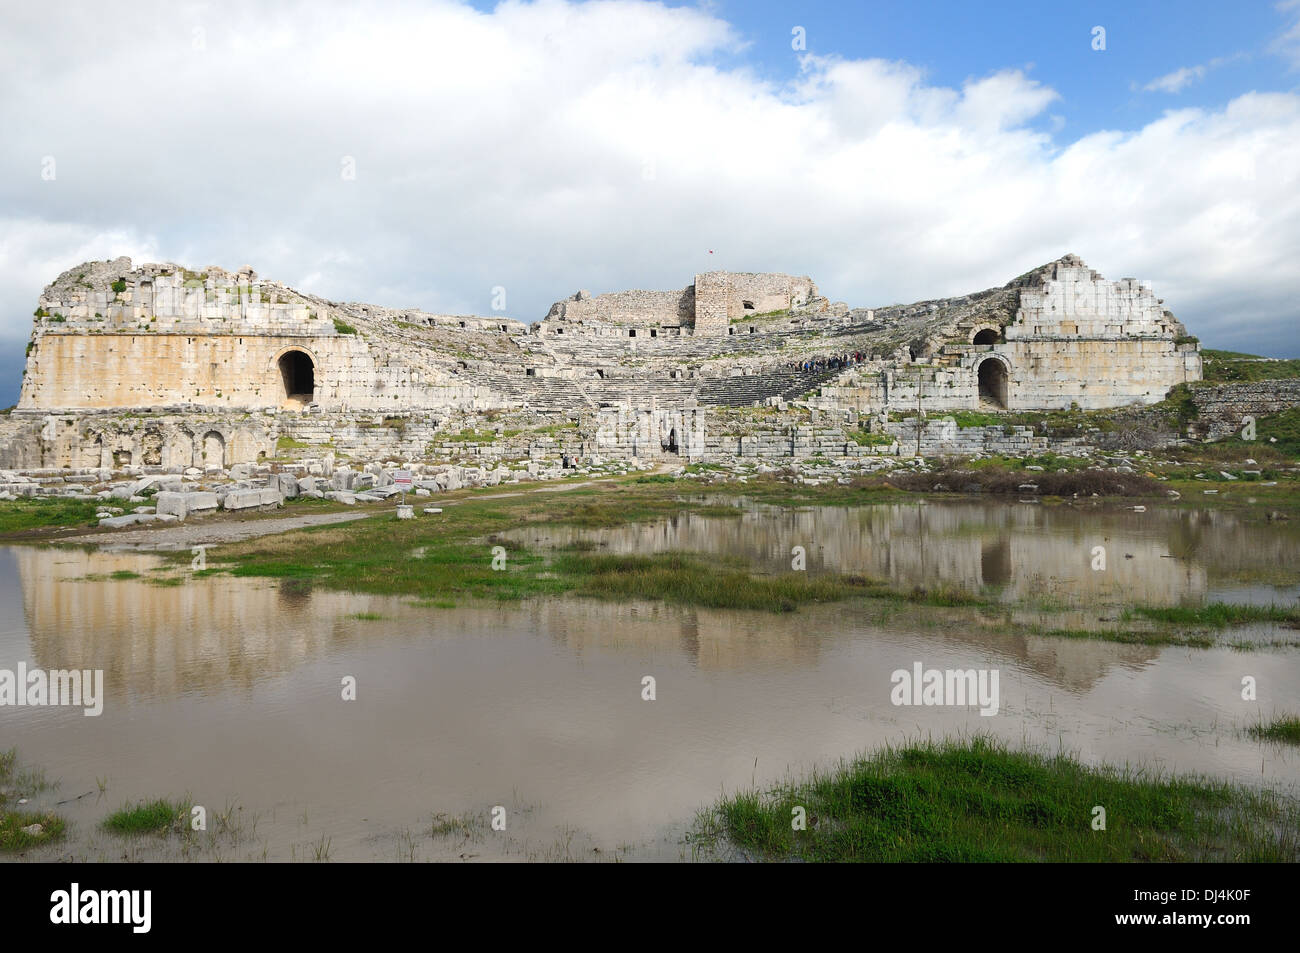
<point>227,691</point>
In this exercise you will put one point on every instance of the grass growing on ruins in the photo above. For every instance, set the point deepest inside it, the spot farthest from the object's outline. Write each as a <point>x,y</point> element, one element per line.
<point>148,817</point>
<point>470,436</point>
<point>978,800</point>
<point>1285,730</point>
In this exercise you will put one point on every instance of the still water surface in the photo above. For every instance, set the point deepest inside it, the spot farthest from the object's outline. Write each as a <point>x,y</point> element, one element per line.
<point>228,690</point>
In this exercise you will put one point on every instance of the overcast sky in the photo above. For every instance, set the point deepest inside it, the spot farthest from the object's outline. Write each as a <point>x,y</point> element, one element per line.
<point>906,151</point>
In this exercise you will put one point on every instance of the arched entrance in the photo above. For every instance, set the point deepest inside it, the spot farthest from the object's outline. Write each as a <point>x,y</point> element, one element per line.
<point>986,336</point>
<point>993,383</point>
<point>298,374</point>
<point>214,449</point>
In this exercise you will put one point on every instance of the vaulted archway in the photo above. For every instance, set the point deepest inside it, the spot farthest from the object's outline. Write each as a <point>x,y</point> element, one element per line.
<point>297,377</point>
<point>993,383</point>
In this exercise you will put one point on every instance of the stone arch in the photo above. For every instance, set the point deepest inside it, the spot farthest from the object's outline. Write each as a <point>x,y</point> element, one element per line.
<point>986,335</point>
<point>993,379</point>
<point>178,448</point>
<point>246,446</point>
<point>297,368</point>
<point>151,449</point>
<point>214,449</point>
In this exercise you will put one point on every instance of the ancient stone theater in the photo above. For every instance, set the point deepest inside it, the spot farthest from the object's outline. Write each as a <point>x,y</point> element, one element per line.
<point>158,365</point>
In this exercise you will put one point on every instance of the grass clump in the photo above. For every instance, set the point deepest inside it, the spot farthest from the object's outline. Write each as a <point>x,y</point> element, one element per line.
<point>1285,730</point>
<point>1134,637</point>
<point>14,784</point>
<point>148,817</point>
<point>16,829</point>
<point>1214,614</point>
<point>342,327</point>
<point>977,800</point>
<point>864,439</point>
<point>468,435</point>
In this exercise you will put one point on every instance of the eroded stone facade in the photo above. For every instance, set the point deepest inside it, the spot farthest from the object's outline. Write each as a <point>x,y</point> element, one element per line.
<point>142,365</point>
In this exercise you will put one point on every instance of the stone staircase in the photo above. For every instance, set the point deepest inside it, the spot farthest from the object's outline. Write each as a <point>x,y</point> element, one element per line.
<point>787,383</point>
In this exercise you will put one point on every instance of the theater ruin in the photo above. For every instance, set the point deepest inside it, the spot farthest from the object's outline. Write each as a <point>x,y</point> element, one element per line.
<point>161,366</point>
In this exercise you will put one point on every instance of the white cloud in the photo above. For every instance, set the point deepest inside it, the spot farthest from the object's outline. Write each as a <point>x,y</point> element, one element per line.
<point>1287,43</point>
<point>547,147</point>
<point>1176,81</point>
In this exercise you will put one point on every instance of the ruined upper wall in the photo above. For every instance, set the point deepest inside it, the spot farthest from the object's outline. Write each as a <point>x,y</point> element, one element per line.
<point>640,308</point>
<point>721,296</point>
<point>709,305</point>
<point>1072,300</point>
<point>113,297</point>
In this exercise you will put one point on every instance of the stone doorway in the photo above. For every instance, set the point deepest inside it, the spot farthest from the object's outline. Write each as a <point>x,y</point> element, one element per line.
<point>298,374</point>
<point>993,384</point>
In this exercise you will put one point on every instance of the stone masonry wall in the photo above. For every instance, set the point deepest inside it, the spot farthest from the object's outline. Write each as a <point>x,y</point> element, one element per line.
<point>723,295</point>
<point>1221,411</point>
<point>641,308</point>
<point>67,371</point>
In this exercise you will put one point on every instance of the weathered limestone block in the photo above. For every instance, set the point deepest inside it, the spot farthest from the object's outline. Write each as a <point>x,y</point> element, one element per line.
<point>251,498</point>
<point>130,519</point>
<point>287,484</point>
<point>181,505</point>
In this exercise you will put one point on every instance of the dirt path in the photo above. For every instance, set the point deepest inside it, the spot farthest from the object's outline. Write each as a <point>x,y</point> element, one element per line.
<point>210,532</point>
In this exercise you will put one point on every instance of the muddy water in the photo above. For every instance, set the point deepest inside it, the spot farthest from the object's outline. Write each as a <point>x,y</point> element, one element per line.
<point>228,691</point>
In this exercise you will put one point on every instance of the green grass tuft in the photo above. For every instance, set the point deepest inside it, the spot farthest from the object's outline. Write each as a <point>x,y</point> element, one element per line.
<point>1285,729</point>
<point>977,800</point>
<point>148,817</point>
<point>1214,614</point>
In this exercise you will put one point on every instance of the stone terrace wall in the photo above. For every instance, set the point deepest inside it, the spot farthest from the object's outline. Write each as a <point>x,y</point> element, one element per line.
<point>1221,410</point>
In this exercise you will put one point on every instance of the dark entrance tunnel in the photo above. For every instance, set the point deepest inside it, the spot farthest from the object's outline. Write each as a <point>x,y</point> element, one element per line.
<point>299,376</point>
<point>993,383</point>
